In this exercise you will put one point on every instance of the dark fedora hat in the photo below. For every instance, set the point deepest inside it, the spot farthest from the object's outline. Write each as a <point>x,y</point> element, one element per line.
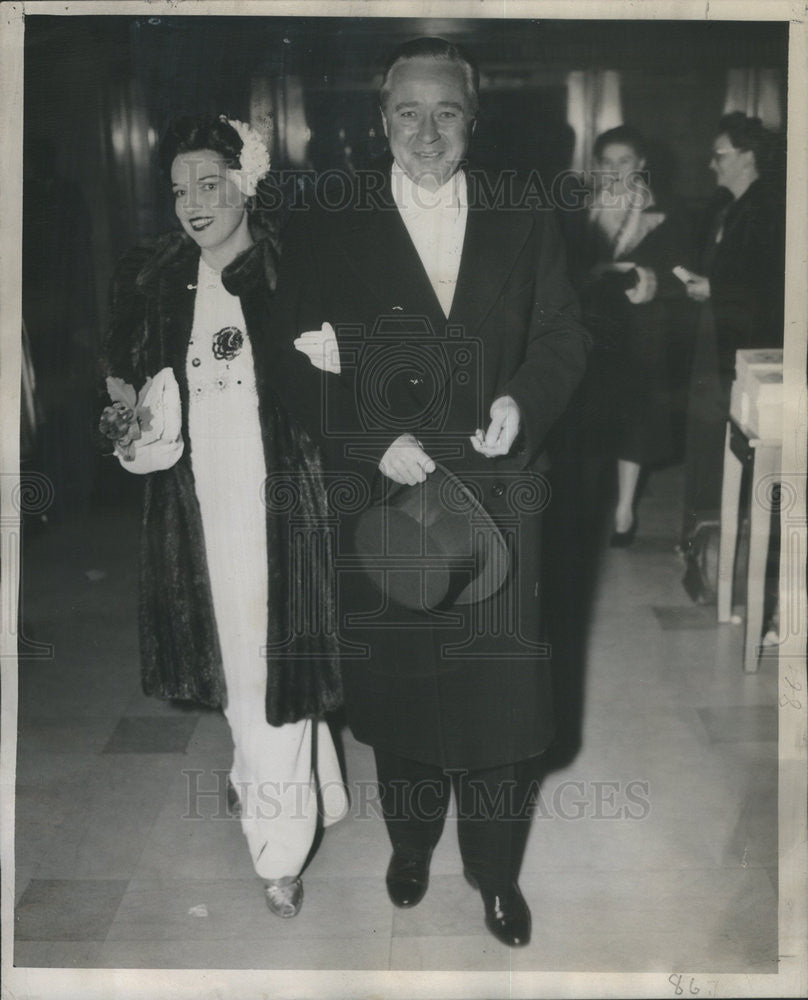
<point>431,546</point>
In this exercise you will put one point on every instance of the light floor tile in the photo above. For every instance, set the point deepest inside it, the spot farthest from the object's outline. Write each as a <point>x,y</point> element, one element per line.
<point>357,844</point>
<point>647,917</point>
<point>740,723</point>
<point>753,840</point>
<point>234,908</point>
<point>449,908</point>
<point>184,844</point>
<point>257,952</point>
<point>446,859</point>
<point>700,681</point>
<point>103,832</point>
<point>466,953</point>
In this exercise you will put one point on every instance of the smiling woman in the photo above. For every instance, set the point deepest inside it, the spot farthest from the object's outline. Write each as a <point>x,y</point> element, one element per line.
<point>210,207</point>
<point>219,623</point>
<point>210,201</point>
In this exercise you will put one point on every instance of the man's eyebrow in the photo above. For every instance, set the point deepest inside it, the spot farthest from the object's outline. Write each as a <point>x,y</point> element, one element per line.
<point>415,104</point>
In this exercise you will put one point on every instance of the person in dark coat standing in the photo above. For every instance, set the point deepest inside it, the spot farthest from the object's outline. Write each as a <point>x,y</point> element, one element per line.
<point>446,333</point>
<point>221,620</point>
<point>740,289</point>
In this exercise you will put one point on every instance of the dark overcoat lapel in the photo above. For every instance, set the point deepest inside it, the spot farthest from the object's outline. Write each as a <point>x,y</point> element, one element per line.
<point>381,253</point>
<point>492,243</point>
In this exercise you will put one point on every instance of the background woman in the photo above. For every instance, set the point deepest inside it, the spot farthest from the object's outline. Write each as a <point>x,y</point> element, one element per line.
<point>219,622</point>
<point>740,286</point>
<point>634,308</point>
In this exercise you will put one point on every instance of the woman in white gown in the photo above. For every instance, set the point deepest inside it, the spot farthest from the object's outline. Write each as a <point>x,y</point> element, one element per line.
<point>237,606</point>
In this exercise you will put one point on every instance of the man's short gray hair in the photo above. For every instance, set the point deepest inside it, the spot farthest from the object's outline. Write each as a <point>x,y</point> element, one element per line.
<point>430,47</point>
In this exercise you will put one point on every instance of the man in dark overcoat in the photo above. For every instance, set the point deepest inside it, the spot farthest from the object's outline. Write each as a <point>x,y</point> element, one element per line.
<point>436,310</point>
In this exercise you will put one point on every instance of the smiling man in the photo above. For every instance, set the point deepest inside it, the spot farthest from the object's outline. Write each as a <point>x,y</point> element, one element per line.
<point>445,341</point>
<point>428,108</point>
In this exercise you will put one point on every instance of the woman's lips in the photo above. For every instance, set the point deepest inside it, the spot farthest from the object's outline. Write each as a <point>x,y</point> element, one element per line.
<point>198,224</point>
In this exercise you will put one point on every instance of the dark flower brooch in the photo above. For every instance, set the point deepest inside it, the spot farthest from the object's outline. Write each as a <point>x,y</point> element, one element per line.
<point>227,343</point>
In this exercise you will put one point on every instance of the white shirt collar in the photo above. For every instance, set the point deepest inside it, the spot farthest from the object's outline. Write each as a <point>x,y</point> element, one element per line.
<point>411,197</point>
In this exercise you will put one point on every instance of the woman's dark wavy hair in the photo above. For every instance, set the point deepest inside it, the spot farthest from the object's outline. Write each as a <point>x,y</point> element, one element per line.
<point>748,134</point>
<point>192,133</point>
<point>627,135</point>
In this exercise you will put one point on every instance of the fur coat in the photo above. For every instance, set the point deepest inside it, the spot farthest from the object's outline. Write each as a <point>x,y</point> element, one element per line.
<point>152,314</point>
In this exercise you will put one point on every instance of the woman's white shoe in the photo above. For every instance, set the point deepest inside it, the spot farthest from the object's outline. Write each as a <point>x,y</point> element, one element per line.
<point>284,895</point>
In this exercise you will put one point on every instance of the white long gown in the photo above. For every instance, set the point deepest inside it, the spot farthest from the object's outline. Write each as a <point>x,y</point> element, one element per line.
<point>276,769</point>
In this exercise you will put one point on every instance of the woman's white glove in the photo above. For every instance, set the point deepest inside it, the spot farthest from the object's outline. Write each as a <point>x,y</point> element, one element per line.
<point>160,444</point>
<point>321,348</point>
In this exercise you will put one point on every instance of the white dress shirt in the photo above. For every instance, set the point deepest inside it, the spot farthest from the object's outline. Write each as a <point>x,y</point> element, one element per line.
<point>436,222</point>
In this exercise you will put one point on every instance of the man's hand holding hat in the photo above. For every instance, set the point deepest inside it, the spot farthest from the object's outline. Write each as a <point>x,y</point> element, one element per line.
<point>406,462</point>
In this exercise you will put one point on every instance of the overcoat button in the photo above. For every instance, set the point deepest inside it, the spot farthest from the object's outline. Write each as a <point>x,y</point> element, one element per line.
<point>498,489</point>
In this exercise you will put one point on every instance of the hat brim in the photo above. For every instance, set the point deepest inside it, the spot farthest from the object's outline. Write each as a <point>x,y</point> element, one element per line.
<point>432,546</point>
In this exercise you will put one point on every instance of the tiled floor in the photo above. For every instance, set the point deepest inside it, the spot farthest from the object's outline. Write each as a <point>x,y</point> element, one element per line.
<point>654,846</point>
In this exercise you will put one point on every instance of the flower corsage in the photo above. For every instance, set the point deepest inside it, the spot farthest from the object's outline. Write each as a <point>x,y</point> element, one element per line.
<point>145,426</point>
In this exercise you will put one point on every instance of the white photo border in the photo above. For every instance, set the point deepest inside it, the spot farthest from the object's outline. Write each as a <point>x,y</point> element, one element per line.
<point>88,984</point>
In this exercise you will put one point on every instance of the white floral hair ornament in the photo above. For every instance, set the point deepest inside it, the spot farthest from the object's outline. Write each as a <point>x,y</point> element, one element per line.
<point>254,158</point>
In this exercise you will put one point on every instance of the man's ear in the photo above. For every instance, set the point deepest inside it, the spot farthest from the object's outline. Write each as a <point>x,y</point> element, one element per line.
<point>384,122</point>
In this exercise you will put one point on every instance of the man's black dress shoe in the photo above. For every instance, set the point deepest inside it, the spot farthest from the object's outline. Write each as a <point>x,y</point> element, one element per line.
<point>408,876</point>
<point>506,913</point>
